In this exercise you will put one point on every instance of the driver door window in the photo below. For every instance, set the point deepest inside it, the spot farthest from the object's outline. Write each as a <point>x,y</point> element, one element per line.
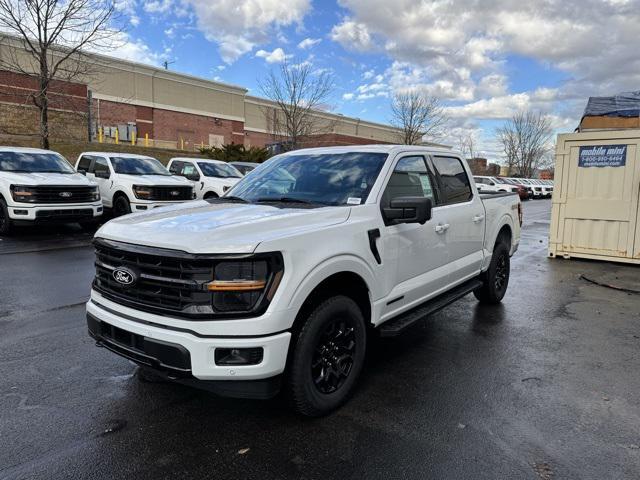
<point>409,179</point>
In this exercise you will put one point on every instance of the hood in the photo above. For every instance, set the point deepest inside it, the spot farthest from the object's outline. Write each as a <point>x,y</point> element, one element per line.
<point>156,180</point>
<point>33,179</point>
<point>201,227</point>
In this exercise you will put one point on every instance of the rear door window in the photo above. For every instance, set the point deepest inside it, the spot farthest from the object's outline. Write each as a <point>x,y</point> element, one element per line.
<point>454,181</point>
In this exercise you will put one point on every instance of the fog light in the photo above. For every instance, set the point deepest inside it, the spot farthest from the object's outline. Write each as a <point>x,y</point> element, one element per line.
<point>239,356</point>
<point>21,212</point>
<point>141,207</point>
<point>99,210</point>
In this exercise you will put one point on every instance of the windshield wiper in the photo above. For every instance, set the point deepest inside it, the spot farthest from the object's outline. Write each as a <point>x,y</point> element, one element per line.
<point>286,200</point>
<point>231,198</point>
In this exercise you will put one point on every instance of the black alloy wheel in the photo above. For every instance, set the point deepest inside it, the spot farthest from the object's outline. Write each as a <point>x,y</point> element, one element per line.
<point>334,356</point>
<point>501,276</point>
<point>121,206</point>
<point>327,356</point>
<point>496,279</point>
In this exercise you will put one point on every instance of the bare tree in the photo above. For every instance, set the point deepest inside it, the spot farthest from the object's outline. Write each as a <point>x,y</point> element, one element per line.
<point>526,142</point>
<point>50,38</point>
<point>417,116</point>
<point>467,146</point>
<point>299,94</point>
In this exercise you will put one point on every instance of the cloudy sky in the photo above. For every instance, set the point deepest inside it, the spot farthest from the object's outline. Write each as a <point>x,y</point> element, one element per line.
<point>483,59</point>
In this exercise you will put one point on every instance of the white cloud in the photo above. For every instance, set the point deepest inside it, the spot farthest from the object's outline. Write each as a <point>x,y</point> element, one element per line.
<point>158,6</point>
<point>368,74</point>
<point>308,43</point>
<point>276,56</point>
<point>239,26</point>
<point>459,49</point>
<point>352,35</point>
<point>348,96</point>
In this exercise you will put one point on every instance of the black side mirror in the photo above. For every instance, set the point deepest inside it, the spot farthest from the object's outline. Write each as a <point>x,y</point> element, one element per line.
<point>408,210</point>
<point>102,174</point>
<point>83,172</point>
<point>194,177</point>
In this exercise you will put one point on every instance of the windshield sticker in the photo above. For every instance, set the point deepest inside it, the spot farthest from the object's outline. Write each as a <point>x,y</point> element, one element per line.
<point>353,201</point>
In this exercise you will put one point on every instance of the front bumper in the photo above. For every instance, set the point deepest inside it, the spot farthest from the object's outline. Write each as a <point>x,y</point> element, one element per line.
<point>193,354</point>
<point>55,212</point>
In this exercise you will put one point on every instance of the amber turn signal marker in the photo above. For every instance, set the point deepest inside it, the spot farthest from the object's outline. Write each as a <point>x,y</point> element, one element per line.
<point>235,285</point>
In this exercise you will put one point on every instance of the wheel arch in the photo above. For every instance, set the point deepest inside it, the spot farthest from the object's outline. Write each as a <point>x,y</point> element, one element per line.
<point>346,276</point>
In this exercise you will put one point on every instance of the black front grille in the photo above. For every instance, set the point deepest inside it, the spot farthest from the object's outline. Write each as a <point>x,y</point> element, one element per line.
<point>63,194</point>
<point>168,281</point>
<point>166,194</point>
<point>71,213</point>
<point>165,280</point>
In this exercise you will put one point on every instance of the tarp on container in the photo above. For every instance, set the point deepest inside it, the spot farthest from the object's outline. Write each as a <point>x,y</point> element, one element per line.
<point>626,104</point>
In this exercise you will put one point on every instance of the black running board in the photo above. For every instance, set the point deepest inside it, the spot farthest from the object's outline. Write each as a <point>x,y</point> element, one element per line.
<point>399,324</point>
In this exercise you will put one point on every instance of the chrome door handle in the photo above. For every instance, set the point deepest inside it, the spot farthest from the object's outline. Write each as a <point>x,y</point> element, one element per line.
<point>478,218</point>
<point>442,227</point>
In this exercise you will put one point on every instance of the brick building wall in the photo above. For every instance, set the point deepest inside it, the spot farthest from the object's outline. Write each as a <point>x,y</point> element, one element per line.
<point>69,120</point>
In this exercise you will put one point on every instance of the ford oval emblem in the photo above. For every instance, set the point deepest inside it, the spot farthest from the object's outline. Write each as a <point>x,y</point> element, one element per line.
<point>66,194</point>
<point>124,276</point>
<point>174,193</point>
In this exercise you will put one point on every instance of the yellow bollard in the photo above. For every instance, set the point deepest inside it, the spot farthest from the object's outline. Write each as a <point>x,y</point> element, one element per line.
<point>117,137</point>
<point>182,144</point>
<point>133,138</point>
<point>100,134</point>
<point>146,139</point>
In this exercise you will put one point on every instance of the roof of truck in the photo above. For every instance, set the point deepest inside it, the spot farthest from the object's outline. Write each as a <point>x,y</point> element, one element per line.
<point>382,148</point>
<point>25,150</point>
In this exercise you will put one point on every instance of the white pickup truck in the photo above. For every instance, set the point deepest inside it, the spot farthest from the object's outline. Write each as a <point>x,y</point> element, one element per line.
<point>39,186</point>
<point>133,183</point>
<point>210,178</point>
<point>281,282</point>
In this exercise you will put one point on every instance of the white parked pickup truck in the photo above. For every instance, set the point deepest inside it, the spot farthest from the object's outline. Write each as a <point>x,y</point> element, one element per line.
<point>40,186</point>
<point>133,183</point>
<point>210,178</point>
<point>281,282</point>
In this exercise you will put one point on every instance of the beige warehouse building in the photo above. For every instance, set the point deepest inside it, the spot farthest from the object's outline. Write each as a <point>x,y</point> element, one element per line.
<point>170,109</point>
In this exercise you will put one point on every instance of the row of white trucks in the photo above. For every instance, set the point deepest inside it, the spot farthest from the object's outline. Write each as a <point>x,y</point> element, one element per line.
<point>40,186</point>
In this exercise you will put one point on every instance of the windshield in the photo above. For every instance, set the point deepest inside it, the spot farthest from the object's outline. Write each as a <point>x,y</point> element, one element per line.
<point>138,166</point>
<point>330,179</point>
<point>34,162</point>
<point>221,170</point>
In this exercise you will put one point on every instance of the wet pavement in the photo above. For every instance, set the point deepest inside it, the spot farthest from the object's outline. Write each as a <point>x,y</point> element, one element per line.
<point>546,385</point>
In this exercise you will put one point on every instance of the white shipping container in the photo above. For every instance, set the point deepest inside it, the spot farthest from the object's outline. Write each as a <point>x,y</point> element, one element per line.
<point>596,196</point>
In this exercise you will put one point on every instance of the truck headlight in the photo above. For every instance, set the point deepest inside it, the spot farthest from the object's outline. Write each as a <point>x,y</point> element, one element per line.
<point>142,192</point>
<point>23,194</point>
<point>95,195</point>
<point>243,285</point>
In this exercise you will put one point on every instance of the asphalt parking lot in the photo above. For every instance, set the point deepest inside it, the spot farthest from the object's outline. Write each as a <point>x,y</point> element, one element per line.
<point>546,385</point>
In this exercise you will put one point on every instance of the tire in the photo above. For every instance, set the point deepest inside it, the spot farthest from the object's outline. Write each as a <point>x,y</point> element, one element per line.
<point>121,206</point>
<point>6,226</point>
<point>312,385</point>
<point>496,278</point>
<point>210,195</point>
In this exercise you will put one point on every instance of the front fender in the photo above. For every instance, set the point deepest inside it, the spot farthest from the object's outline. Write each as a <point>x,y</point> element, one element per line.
<point>331,266</point>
